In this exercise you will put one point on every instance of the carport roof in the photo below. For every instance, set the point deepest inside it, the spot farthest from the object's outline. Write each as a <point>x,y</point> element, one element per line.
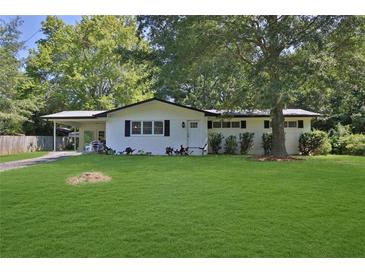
<point>75,114</point>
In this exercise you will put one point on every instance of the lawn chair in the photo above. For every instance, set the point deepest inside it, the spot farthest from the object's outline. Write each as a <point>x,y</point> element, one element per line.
<point>97,146</point>
<point>203,148</point>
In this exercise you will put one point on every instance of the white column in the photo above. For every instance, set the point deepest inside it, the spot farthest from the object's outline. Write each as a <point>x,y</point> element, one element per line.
<point>54,136</point>
<point>74,139</point>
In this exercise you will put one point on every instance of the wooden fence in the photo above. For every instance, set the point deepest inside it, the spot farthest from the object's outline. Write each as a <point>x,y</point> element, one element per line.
<point>17,144</point>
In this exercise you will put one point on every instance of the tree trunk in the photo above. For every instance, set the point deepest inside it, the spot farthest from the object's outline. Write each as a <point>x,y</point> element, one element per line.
<point>278,134</point>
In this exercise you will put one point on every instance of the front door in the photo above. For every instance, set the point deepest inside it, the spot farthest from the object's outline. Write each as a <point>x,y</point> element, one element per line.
<point>194,134</point>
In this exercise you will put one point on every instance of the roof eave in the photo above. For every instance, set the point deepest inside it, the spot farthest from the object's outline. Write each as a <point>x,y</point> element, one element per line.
<point>104,114</point>
<point>68,117</point>
<point>266,115</point>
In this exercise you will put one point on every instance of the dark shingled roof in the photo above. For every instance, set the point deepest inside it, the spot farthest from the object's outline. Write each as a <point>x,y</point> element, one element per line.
<point>82,114</point>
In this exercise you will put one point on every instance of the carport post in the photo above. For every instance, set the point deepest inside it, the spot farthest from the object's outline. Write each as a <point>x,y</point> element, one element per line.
<point>74,138</point>
<point>54,136</point>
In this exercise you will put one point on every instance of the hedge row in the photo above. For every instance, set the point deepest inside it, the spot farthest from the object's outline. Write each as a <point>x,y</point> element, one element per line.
<point>338,141</point>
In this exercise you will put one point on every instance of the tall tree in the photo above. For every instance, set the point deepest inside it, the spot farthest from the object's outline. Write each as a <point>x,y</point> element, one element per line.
<point>190,72</point>
<point>335,77</point>
<point>15,106</point>
<point>267,48</point>
<point>81,67</point>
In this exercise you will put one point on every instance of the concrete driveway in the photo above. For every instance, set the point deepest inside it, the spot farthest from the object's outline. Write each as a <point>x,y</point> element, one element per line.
<point>50,157</point>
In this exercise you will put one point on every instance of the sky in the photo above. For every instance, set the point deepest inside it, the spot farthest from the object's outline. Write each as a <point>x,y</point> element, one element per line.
<point>31,29</point>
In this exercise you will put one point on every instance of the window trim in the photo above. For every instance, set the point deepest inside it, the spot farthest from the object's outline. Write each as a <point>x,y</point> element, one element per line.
<point>193,122</point>
<point>228,123</point>
<point>238,123</point>
<point>153,128</point>
<point>163,128</point>
<point>133,134</point>
<point>286,124</point>
<point>142,128</point>
<point>295,122</point>
<point>220,124</point>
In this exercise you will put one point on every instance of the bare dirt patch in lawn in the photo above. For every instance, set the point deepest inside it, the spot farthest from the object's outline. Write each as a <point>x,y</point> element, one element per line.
<point>90,177</point>
<point>275,159</point>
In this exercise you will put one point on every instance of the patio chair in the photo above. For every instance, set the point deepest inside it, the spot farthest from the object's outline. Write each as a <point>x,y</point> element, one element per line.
<point>203,148</point>
<point>88,148</point>
<point>96,145</point>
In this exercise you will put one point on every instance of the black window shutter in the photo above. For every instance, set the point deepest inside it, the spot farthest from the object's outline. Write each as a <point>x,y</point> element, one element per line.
<point>209,124</point>
<point>167,128</point>
<point>266,124</point>
<point>127,128</point>
<point>243,124</point>
<point>300,124</point>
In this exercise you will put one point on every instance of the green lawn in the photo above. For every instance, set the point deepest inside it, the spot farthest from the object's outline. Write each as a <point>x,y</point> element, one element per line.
<point>225,206</point>
<point>21,156</point>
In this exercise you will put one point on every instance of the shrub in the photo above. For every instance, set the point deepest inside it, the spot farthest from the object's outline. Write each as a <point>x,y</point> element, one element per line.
<point>246,142</point>
<point>314,143</point>
<point>215,140</point>
<point>325,148</point>
<point>267,143</point>
<point>336,134</point>
<point>358,121</point>
<point>230,145</point>
<point>354,144</point>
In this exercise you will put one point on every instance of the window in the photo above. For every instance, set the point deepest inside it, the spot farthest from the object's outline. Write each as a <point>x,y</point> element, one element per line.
<point>236,124</point>
<point>217,124</point>
<point>300,124</point>
<point>193,124</point>
<point>147,127</point>
<point>292,123</point>
<point>136,128</point>
<point>158,128</point>
<point>210,124</point>
<point>267,124</point>
<point>226,124</point>
<point>101,135</point>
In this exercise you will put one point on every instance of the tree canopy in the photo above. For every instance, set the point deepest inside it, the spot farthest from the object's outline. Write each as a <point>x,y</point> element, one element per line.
<point>16,107</point>
<point>81,66</point>
<point>271,58</point>
<point>223,62</point>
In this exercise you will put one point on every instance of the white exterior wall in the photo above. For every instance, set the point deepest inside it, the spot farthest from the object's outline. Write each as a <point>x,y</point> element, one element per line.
<point>256,125</point>
<point>155,111</point>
